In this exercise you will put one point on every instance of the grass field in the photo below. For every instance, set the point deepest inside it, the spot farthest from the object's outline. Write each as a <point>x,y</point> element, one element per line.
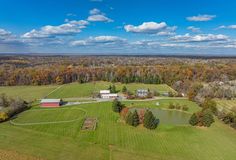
<point>227,105</point>
<point>87,89</point>
<point>114,140</point>
<point>28,92</point>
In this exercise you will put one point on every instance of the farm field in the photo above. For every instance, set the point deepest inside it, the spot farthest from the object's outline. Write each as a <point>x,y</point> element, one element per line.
<point>114,140</point>
<point>87,89</point>
<point>227,105</point>
<point>28,93</point>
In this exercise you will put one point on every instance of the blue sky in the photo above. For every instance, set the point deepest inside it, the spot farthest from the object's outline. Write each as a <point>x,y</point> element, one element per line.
<point>118,26</point>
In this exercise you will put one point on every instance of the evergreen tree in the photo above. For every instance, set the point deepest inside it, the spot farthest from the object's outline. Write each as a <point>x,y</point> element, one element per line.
<point>150,122</point>
<point>117,106</point>
<point>129,118</point>
<point>113,89</point>
<point>193,119</point>
<point>135,119</point>
<point>207,118</point>
<point>124,89</point>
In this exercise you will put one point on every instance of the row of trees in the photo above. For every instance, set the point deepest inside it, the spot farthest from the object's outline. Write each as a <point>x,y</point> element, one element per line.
<point>228,118</point>
<point>10,106</point>
<point>135,118</point>
<point>145,117</point>
<point>178,106</point>
<point>205,116</point>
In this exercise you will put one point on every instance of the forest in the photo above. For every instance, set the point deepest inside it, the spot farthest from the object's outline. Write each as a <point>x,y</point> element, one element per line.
<point>43,70</point>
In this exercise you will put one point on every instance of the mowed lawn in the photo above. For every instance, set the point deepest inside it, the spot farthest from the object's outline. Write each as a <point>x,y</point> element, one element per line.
<point>164,103</point>
<point>114,140</point>
<point>87,89</point>
<point>227,105</point>
<point>28,93</point>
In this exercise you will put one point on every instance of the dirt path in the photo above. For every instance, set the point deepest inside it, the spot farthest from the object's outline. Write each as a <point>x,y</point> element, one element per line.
<point>12,155</point>
<point>53,91</point>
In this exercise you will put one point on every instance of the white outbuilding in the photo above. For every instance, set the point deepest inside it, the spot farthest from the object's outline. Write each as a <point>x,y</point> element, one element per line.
<point>105,91</point>
<point>109,96</point>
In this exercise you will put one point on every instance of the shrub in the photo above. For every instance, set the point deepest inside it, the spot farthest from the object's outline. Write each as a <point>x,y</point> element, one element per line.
<point>228,118</point>
<point>4,100</point>
<point>233,125</point>
<point>177,106</point>
<point>155,93</point>
<point>171,106</point>
<point>193,119</point>
<point>185,108</point>
<point>3,116</point>
<point>171,94</point>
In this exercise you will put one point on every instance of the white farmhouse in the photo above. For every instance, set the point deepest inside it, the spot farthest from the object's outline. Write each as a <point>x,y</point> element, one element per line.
<point>142,92</point>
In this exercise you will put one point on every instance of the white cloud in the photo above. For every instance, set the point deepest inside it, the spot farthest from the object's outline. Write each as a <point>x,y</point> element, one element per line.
<point>94,11</point>
<point>194,29</point>
<point>161,29</point>
<point>98,40</point>
<point>199,38</point>
<point>227,27</point>
<point>97,16</point>
<point>166,33</point>
<point>69,28</point>
<point>146,27</point>
<point>4,33</point>
<point>201,18</point>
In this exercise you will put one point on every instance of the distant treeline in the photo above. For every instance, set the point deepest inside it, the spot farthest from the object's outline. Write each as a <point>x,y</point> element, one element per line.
<point>156,74</point>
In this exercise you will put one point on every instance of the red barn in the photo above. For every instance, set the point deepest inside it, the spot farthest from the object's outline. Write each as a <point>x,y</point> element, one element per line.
<point>50,102</point>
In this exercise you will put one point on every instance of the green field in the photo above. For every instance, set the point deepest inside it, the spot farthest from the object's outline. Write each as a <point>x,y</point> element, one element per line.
<point>114,140</point>
<point>27,92</point>
<point>226,105</point>
<point>87,89</point>
<point>56,133</point>
<point>73,90</point>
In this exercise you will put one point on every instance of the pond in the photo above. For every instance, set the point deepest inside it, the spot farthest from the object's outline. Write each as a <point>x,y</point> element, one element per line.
<point>169,117</point>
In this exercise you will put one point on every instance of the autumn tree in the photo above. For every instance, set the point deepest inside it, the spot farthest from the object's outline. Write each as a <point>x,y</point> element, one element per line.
<point>209,104</point>
<point>193,91</point>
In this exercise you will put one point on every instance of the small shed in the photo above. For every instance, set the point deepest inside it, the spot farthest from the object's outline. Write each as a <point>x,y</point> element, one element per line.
<point>50,102</point>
